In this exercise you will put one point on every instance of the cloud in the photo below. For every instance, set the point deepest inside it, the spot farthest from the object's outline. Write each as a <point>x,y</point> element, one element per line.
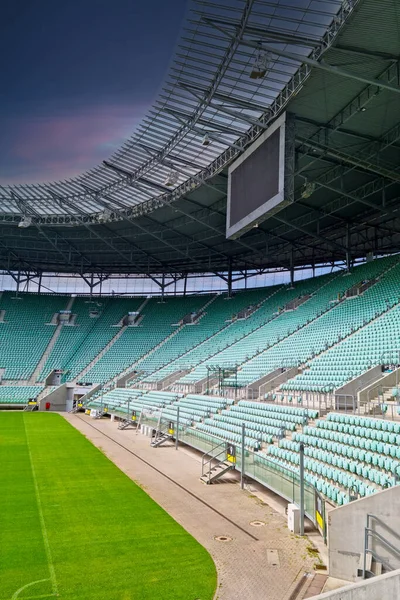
<point>49,148</point>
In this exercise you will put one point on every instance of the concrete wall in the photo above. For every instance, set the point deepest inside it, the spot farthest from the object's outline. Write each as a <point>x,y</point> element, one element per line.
<point>60,400</point>
<point>384,587</point>
<point>121,381</point>
<point>90,393</point>
<point>279,379</point>
<point>390,380</point>
<point>256,388</point>
<point>346,525</point>
<point>360,382</point>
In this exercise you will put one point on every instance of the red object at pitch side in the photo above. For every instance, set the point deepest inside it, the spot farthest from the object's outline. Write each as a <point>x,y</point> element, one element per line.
<point>47,405</point>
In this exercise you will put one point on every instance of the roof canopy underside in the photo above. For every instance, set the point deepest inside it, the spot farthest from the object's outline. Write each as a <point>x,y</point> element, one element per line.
<point>335,68</point>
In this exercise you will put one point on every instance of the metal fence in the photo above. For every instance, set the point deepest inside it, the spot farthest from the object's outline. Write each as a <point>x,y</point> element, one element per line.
<point>282,481</point>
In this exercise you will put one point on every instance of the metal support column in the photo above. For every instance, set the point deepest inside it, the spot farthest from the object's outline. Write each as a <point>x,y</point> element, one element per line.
<point>348,253</point>
<point>162,287</point>
<point>177,429</point>
<point>291,267</point>
<point>301,488</point>
<point>243,457</point>
<point>230,279</point>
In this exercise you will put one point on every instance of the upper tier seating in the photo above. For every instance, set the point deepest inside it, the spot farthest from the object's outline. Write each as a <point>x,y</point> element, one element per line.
<point>213,331</point>
<point>373,345</point>
<point>26,331</point>
<point>275,328</point>
<point>328,328</point>
<point>216,330</point>
<point>79,344</point>
<point>159,321</point>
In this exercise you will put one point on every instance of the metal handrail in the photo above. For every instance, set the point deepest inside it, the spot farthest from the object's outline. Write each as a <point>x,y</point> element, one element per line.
<point>222,453</point>
<point>203,463</point>
<point>368,531</point>
<point>384,541</point>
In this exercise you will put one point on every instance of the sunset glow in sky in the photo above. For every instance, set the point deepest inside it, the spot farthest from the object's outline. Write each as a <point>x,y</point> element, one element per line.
<point>77,78</point>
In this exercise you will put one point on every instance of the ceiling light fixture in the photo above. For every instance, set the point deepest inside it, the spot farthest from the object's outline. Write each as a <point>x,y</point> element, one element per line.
<point>25,222</point>
<point>172,179</point>
<point>308,189</point>
<point>105,215</point>
<point>261,65</point>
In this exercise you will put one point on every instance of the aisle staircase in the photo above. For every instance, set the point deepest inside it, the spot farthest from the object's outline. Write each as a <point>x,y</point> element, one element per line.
<point>39,367</point>
<point>216,336</point>
<point>82,374</point>
<point>136,364</point>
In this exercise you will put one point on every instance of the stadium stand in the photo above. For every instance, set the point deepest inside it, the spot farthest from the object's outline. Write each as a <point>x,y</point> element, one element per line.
<point>94,327</point>
<point>271,154</point>
<point>237,333</point>
<point>333,327</point>
<point>346,456</point>
<point>216,329</point>
<point>19,394</point>
<point>370,324</point>
<point>160,321</point>
<point>26,331</point>
<point>322,330</point>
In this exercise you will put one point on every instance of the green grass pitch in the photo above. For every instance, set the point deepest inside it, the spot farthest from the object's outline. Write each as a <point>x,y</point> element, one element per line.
<point>73,526</point>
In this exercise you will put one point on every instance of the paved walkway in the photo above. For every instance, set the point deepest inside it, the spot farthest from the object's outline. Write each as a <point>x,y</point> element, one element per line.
<point>266,562</point>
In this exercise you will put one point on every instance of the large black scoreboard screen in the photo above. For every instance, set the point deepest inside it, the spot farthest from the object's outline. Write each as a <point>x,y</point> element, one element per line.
<point>258,180</point>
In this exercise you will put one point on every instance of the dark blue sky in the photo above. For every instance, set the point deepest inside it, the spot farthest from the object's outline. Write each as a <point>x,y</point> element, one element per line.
<point>75,79</point>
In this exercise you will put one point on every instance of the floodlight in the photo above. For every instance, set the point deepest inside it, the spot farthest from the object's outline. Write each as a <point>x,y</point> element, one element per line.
<point>105,215</point>
<point>261,65</point>
<point>25,222</point>
<point>308,189</point>
<point>172,179</point>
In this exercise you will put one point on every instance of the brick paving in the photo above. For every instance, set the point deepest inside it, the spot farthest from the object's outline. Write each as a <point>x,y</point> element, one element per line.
<point>246,570</point>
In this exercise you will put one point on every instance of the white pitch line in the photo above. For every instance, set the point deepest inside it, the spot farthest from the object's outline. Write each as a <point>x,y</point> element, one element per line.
<point>21,589</point>
<point>42,522</point>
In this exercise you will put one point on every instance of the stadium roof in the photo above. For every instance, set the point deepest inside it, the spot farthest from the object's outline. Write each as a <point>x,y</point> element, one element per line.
<point>158,204</point>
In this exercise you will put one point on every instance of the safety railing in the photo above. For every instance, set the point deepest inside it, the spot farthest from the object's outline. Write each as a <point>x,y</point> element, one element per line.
<point>370,535</point>
<point>282,481</point>
<point>218,453</point>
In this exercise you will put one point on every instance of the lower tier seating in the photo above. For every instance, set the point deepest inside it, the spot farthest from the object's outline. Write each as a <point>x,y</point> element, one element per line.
<point>19,394</point>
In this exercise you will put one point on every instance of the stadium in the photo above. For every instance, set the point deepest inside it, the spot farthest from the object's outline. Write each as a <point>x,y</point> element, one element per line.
<point>200,336</point>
